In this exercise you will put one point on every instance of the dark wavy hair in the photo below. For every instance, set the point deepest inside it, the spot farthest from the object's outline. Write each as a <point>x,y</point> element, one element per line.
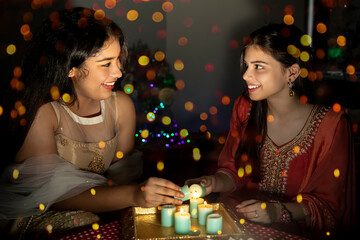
<point>64,40</point>
<point>273,39</point>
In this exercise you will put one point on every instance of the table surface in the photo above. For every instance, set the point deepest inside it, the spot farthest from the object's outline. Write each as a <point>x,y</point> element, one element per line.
<point>123,229</point>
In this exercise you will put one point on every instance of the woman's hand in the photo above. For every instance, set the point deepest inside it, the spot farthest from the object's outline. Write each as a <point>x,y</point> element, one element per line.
<point>257,211</point>
<point>208,182</point>
<point>156,191</point>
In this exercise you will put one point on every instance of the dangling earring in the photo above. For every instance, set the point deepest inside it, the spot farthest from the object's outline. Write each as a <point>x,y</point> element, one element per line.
<point>291,92</point>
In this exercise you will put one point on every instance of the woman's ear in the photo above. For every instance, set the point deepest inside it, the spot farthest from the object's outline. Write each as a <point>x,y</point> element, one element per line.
<point>72,73</point>
<point>293,71</point>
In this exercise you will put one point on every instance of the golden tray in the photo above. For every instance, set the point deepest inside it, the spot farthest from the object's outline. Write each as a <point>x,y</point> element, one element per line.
<point>147,225</point>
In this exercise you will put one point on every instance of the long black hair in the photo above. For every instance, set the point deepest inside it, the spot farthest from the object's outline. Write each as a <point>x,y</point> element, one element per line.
<point>280,41</point>
<point>64,40</point>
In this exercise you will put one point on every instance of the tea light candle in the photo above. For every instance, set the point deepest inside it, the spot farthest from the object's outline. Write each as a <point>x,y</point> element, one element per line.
<point>182,222</point>
<point>194,202</point>
<point>184,207</point>
<point>214,223</point>
<point>204,210</point>
<point>196,190</point>
<point>186,192</point>
<point>167,215</point>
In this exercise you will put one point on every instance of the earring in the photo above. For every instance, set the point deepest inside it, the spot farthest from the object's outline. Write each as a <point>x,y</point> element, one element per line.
<point>291,92</point>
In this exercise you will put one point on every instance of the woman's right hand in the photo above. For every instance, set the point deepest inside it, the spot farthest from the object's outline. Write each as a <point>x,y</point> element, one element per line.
<point>156,191</point>
<point>208,182</point>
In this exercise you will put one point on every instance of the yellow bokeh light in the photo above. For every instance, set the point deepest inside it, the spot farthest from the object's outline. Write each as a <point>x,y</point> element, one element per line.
<point>145,133</point>
<point>196,150</point>
<point>305,40</point>
<point>15,174</point>
<point>197,156</point>
<point>159,56</point>
<point>242,221</point>
<point>304,72</point>
<point>321,28</point>
<point>55,94</point>
<point>180,84</point>
<point>143,60</point>
<point>21,110</point>
<point>263,205</point>
<point>270,118</point>
<point>98,236</point>
<point>225,100</point>
<point>66,97</point>
<point>288,19</point>
<point>241,172</point>
<point>167,6</point>
<point>25,29</point>
<point>102,144</point>
<point>129,88</point>
<point>41,207</point>
<point>189,106</point>
<point>11,49</point>
<point>93,191</point>
<point>157,17</point>
<point>341,41</point>
<point>336,173</point>
<point>178,65</point>
<point>184,133</point>
<point>328,233</point>
<point>99,14</point>
<point>297,53</point>
<point>95,226</point>
<point>49,228</point>
<point>150,116</point>
<point>160,166</point>
<point>119,154</point>
<point>132,15</point>
<point>291,49</point>
<point>248,169</point>
<point>166,120</point>
<point>1,110</point>
<point>219,232</point>
<point>350,69</point>
<point>304,56</point>
<point>299,198</point>
<point>203,116</point>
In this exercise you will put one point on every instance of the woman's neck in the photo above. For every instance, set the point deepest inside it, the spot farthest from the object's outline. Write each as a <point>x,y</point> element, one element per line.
<point>287,108</point>
<point>86,108</point>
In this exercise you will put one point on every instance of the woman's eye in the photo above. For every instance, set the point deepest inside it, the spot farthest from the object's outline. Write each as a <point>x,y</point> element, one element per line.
<point>258,66</point>
<point>106,65</point>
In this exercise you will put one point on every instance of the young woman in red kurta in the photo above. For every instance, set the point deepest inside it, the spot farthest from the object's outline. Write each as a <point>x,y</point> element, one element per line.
<point>286,162</point>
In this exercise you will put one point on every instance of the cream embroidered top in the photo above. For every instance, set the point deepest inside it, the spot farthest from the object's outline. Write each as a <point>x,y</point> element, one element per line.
<point>88,143</point>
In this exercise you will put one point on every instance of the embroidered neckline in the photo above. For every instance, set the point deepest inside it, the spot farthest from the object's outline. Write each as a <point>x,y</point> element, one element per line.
<point>85,120</point>
<point>276,160</point>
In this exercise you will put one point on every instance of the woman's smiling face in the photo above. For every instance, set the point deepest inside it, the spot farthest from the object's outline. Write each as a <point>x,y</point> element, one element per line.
<point>264,75</point>
<point>96,79</point>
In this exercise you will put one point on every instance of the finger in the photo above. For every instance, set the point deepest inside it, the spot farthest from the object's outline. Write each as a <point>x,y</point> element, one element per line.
<point>166,183</point>
<point>247,203</point>
<point>168,192</point>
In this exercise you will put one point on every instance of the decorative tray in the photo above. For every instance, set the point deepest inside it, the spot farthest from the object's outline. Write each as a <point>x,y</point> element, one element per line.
<point>147,225</point>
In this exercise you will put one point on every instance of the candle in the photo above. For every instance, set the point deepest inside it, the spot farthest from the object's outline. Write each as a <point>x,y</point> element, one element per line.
<point>167,215</point>
<point>182,222</point>
<point>198,190</point>
<point>194,202</point>
<point>214,224</point>
<point>186,192</point>
<point>184,207</point>
<point>204,210</point>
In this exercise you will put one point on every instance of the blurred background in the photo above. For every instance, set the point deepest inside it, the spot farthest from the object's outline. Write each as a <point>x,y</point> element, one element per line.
<point>183,69</point>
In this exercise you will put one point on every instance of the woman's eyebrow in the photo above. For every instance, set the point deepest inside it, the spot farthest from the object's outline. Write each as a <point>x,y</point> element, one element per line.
<point>106,59</point>
<point>259,61</point>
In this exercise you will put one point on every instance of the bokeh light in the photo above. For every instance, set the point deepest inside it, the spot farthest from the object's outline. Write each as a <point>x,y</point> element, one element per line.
<point>41,207</point>
<point>184,133</point>
<point>337,173</point>
<point>166,120</point>
<point>49,228</point>
<point>213,110</point>
<point>303,73</point>
<point>188,22</point>
<point>320,53</point>
<point>150,74</point>
<point>209,67</point>
<point>150,116</point>
<point>160,165</point>
<point>350,69</point>
<point>336,107</point>
<point>321,28</point>
<point>92,191</point>
<point>143,60</point>
<point>225,100</point>
<point>157,17</point>
<point>182,41</point>
<point>180,84</point>
<point>270,118</point>
<point>263,205</point>
<point>288,19</point>
<point>242,221</point>
<point>221,140</point>
<point>119,154</point>
<point>341,41</point>
<point>304,56</point>
<point>145,133</point>
<point>178,65</point>
<point>102,144</point>
<point>299,198</point>
<point>110,4</point>
<point>296,149</point>
<point>248,169</point>
<point>167,6</point>
<point>159,56</point>
<point>305,40</point>
<point>189,106</point>
<point>66,97</point>
<point>15,174</point>
<point>132,15</point>
<point>303,99</point>
<point>128,88</point>
<point>241,172</point>
<point>203,116</point>
<point>99,14</point>
<point>11,49</point>
<point>95,226</point>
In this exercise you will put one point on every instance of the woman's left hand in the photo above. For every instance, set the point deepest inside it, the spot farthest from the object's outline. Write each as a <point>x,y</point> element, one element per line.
<point>255,211</point>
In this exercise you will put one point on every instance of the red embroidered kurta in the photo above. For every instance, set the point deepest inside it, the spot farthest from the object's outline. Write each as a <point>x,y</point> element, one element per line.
<point>306,166</point>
